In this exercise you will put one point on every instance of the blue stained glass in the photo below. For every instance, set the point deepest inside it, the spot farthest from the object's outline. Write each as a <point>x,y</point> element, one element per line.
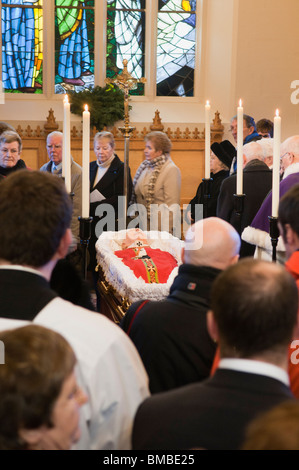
<point>176,48</point>
<point>22,48</point>
<point>74,45</point>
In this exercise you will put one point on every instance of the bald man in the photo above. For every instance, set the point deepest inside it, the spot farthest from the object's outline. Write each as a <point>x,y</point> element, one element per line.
<point>171,335</point>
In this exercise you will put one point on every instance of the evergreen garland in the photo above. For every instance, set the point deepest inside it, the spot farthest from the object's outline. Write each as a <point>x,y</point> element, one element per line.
<point>106,105</point>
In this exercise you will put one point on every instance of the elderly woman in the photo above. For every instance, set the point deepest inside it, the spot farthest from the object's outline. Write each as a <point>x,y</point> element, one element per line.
<point>40,399</point>
<point>220,164</point>
<point>157,181</point>
<point>106,185</point>
<point>10,153</point>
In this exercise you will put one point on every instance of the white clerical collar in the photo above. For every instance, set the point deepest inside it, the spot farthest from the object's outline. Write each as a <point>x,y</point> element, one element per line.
<point>255,367</point>
<point>17,267</point>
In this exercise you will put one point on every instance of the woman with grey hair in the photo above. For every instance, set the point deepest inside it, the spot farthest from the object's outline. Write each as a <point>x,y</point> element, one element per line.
<point>157,180</point>
<point>10,153</point>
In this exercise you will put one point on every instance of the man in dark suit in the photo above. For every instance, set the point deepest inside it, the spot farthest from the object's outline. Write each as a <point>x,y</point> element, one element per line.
<point>253,317</point>
<point>171,335</point>
<point>257,182</point>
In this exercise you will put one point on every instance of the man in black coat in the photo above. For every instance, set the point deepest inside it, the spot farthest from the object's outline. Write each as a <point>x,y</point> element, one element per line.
<point>171,335</point>
<point>257,182</point>
<point>253,317</point>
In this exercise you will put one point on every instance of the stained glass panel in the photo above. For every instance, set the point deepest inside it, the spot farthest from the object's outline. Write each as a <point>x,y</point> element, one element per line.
<point>125,39</point>
<point>22,46</point>
<point>74,45</point>
<point>176,48</point>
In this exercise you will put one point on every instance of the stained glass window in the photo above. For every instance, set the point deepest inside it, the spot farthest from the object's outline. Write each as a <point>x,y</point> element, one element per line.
<point>22,46</point>
<point>74,45</point>
<point>125,39</point>
<point>176,48</point>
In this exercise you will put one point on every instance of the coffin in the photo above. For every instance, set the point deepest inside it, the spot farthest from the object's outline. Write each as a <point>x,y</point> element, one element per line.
<point>119,286</point>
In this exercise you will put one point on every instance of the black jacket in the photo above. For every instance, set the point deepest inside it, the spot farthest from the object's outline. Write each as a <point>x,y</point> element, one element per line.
<point>171,335</point>
<point>111,185</point>
<point>257,182</point>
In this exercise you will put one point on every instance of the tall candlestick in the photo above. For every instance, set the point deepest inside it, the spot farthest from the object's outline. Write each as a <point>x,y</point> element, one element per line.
<point>66,150</point>
<point>240,148</point>
<point>276,164</point>
<point>85,162</point>
<point>207,139</point>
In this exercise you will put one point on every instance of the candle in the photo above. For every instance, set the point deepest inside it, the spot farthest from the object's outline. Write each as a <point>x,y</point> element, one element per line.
<point>207,140</point>
<point>276,164</point>
<point>85,162</point>
<point>240,148</point>
<point>66,154</point>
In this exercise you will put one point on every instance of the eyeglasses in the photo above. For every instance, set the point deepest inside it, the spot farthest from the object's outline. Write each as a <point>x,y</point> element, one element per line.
<point>287,153</point>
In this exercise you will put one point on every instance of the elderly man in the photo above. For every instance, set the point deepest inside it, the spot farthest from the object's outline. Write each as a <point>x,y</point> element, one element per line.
<point>171,335</point>
<point>253,317</point>
<point>249,129</point>
<point>257,182</point>
<point>54,166</point>
<point>35,216</point>
<point>257,233</point>
<point>267,146</point>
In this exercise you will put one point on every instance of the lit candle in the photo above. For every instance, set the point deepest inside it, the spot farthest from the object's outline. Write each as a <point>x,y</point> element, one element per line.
<point>66,153</point>
<point>276,164</point>
<point>240,149</point>
<point>207,140</point>
<point>85,162</point>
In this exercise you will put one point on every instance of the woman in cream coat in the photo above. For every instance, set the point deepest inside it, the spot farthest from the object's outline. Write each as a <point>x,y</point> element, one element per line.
<point>158,182</point>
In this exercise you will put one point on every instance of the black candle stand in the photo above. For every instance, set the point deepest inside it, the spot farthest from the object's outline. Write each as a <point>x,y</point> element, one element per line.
<point>274,235</point>
<point>239,200</point>
<point>206,195</point>
<point>84,234</point>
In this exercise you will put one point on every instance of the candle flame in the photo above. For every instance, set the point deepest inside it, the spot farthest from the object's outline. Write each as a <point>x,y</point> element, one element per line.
<point>66,99</point>
<point>240,103</point>
<point>277,112</point>
<point>86,107</point>
<point>208,103</point>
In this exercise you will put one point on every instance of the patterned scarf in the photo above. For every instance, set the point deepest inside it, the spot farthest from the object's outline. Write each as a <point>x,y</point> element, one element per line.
<point>156,164</point>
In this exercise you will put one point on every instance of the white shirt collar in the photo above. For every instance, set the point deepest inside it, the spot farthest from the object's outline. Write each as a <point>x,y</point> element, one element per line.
<point>17,267</point>
<point>255,367</point>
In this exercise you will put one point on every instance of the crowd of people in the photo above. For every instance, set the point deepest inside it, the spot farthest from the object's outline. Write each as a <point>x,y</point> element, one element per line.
<point>214,365</point>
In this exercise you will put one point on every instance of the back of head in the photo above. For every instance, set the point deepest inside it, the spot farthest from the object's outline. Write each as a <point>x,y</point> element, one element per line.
<point>255,307</point>
<point>252,151</point>
<point>37,361</point>
<point>267,147</point>
<point>289,209</point>
<point>211,242</point>
<point>291,144</point>
<point>278,429</point>
<point>35,212</point>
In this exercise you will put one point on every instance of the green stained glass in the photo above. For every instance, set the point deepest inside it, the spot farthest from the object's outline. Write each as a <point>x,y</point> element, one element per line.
<point>74,45</point>
<point>125,39</point>
<point>176,48</point>
<point>22,46</point>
